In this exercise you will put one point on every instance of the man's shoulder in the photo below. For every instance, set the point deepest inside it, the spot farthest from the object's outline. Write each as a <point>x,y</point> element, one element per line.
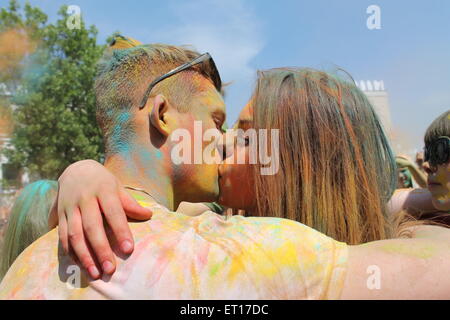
<point>228,226</point>
<point>276,226</point>
<point>30,265</point>
<point>47,245</point>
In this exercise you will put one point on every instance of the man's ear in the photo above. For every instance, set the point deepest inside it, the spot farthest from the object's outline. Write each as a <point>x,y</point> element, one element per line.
<point>158,115</point>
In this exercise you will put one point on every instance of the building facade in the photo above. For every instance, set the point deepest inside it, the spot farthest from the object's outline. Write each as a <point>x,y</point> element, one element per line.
<point>379,98</point>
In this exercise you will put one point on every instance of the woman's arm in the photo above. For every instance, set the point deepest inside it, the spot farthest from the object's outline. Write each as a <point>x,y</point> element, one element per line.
<point>414,268</point>
<point>419,176</point>
<point>414,201</point>
<point>87,193</point>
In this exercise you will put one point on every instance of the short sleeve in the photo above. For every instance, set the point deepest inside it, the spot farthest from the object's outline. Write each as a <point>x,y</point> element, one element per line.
<point>311,265</point>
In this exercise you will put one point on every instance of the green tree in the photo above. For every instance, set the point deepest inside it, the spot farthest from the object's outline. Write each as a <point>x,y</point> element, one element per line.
<point>54,119</point>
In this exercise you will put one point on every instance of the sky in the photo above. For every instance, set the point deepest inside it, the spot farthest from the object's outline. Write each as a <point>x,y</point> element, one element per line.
<point>410,53</point>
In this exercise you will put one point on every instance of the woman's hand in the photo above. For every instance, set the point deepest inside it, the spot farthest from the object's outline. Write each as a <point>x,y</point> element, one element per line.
<point>86,191</point>
<point>403,162</point>
<point>419,176</point>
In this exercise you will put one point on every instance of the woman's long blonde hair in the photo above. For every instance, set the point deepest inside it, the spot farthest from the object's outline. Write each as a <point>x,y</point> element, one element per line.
<point>337,170</point>
<point>27,221</point>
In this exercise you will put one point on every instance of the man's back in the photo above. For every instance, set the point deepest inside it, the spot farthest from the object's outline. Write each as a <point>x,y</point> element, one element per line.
<point>203,257</point>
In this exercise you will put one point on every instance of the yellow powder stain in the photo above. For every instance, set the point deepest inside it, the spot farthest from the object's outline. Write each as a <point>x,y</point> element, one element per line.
<point>442,179</point>
<point>78,293</point>
<point>265,262</point>
<point>444,198</point>
<point>144,204</point>
<point>417,251</point>
<point>22,271</point>
<point>286,255</point>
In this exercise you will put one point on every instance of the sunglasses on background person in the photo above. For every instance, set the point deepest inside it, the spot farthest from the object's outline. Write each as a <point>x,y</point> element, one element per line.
<point>438,152</point>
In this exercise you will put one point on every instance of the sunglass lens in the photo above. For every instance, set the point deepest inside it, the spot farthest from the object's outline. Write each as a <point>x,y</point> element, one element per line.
<point>438,153</point>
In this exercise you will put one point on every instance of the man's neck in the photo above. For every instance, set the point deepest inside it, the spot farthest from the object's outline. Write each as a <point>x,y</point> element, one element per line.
<point>147,170</point>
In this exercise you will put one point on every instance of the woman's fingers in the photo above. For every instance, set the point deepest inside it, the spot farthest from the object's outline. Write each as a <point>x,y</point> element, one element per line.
<point>95,234</point>
<point>132,208</point>
<point>78,243</point>
<point>117,220</point>
<point>53,215</point>
<point>62,232</point>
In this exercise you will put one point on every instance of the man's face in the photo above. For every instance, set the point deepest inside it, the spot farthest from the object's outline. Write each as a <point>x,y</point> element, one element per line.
<point>197,180</point>
<point>439,186</point>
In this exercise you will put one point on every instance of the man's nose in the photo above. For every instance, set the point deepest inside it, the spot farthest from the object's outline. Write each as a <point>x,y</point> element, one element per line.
<point>428,168</point>
<point>225,146</point>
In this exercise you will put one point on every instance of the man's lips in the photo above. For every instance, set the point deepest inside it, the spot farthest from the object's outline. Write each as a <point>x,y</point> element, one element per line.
<point>432,183</point>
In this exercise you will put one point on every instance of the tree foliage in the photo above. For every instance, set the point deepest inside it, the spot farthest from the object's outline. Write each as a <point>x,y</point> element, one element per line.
<point>54,117</point>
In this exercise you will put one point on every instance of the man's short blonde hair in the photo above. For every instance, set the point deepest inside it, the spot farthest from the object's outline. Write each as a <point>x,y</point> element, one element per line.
<point>125,73</point>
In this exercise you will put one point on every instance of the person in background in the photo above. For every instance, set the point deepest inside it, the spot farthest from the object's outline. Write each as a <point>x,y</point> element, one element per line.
<point>437,157</point>
<point>404,179</point>
<point>433,202</point>
<point>408,171</point>
<point>420,161</point>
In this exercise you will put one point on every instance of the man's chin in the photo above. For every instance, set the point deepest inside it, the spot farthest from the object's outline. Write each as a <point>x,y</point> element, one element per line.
<point>203,194</point>
<point>212,197</point>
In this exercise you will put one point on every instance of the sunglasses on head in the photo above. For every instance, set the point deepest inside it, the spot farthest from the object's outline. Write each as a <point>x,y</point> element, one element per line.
<point>438,152</point>
<point>206,57</point>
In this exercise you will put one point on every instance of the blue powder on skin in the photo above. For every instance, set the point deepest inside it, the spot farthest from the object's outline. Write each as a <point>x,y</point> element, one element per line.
<point>123,118</point>
<point>149,162</point>
<point>120,134</point>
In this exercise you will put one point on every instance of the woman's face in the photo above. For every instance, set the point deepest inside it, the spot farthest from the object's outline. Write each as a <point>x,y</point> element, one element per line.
<point>439,186</point>
<point>236,181</point>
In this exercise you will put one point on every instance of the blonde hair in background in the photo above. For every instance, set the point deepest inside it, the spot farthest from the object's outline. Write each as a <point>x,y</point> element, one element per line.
<point>27,221</point>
